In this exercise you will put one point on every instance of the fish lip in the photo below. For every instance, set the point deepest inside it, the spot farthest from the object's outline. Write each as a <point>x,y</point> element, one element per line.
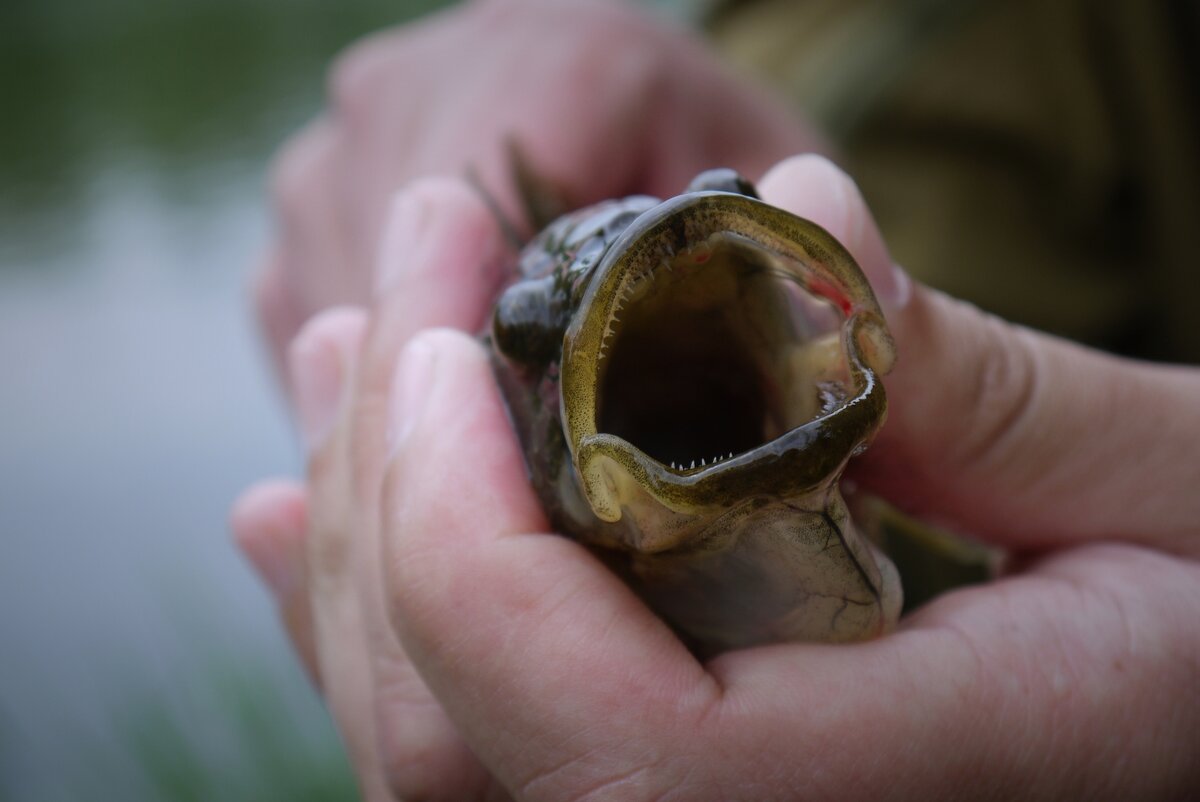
<point>786,464</point>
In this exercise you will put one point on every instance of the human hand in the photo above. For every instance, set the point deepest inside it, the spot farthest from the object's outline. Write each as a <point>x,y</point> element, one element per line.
<point>318,547</point>
<point>1075,678</point>
<point>601,100</point>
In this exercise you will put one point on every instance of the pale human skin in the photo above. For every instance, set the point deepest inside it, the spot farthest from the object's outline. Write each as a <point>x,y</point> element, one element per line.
<point>467,654</point>
<point>602,101</point>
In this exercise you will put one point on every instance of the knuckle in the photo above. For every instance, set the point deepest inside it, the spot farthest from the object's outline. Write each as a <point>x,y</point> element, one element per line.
<point>409,774</point>
<point>294,174</point>
<point>1003,391</point>
<point>421,754</point>
<point>359,73</point>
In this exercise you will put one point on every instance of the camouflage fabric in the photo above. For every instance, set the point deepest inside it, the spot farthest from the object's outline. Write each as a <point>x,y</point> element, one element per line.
<point>1040,159</point>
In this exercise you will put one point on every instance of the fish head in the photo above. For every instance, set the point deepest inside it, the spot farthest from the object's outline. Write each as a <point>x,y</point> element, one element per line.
<point>723,348</point>
<point>689,378</point>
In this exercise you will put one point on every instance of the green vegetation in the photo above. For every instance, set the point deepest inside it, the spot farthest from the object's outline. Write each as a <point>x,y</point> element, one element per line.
<point>263,751</point>
<point>168,88</point>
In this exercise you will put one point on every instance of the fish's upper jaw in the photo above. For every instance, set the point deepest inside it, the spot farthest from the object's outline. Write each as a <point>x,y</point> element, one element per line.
<point>722,347</point>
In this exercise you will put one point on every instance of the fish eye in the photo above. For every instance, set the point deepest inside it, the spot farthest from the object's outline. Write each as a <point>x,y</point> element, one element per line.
<point>528,324</point>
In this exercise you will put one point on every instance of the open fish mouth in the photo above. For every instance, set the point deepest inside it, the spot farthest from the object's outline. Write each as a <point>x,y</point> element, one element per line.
<point>688,379</point>
<point>724,350</point>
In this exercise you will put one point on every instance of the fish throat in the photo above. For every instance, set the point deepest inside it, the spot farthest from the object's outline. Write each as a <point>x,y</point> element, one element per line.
<point>718,328</point>
<point>714,351</point>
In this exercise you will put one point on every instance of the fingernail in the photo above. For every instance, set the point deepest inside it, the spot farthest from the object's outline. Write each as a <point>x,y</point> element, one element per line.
<point>316,383</point>
<point>894,295</point>
<point>404,233</point>
<point>411,384</point>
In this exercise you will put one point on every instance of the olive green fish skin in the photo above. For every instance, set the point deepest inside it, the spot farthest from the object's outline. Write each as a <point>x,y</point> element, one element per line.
<point>755,546</point>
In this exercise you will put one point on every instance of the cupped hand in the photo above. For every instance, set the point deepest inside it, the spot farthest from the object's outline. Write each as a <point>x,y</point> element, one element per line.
<point>318,546</point>
<point>600,100</point>
<point>529,669</point>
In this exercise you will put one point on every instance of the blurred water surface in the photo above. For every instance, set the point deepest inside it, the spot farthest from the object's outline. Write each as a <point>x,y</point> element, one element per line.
<point>138,657</point>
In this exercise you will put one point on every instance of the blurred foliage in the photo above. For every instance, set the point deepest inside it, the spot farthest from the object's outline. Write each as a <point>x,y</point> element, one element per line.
<point>262,753</point>
<point>236,731</point>
<point>6,752</point>
<point>168,88</point>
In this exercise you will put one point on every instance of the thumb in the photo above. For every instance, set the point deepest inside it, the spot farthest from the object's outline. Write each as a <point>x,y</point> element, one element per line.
<point>1023,438</point>
<point>525,638</point>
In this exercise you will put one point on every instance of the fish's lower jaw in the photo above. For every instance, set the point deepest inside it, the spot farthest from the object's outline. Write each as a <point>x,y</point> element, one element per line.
<point>601,488</point>
<point>773,570</point>
<point>645,510</point>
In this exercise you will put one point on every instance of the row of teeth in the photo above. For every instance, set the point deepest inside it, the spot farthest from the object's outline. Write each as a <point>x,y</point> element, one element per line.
<point>626,294</point>
<point>703,463</point>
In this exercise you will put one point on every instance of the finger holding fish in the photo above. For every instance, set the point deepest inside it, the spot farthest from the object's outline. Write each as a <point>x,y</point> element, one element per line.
<point>1008,434</point>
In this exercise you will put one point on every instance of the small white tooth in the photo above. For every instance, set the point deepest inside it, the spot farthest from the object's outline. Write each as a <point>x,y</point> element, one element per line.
<point>693,464</point>
<point>702,462</point>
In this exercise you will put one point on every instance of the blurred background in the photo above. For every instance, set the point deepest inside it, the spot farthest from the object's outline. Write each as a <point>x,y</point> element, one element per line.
<point>139,658</point>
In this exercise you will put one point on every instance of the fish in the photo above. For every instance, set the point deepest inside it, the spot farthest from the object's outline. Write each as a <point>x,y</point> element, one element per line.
<point>688,379</point>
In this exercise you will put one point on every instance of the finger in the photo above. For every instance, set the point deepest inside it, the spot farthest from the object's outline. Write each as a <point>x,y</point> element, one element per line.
<point>1035,441</point>
<point>812,187</point>
<point>1017,436</point>
<point>275,522</point>
<point>1064,683</point>
<point>277,313</point>
<point>269,523</point>
<point>313,228</point>
<point>441,261</point>
<point>526,639</point>
<point>321,359</point>
<point>437,265</point>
